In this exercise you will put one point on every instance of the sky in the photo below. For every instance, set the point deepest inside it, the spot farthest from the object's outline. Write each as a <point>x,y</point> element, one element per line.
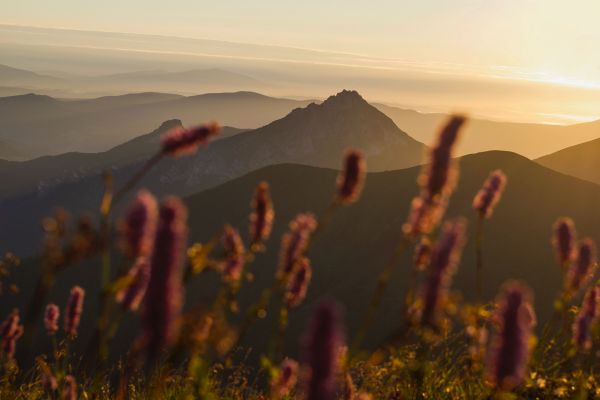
<point>547,41</point>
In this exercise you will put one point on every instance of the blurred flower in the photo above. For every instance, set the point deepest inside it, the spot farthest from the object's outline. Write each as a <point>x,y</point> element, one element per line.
<point>298,283</point>
<point>564,240</point>
<point>509,350</point>
<point>321,349</point>
<point>139,225</point>
<point>444,260</point>
<point>581,271</point>
<point>489,195</point>
<point>132,295</point>
<point>232,267</point>
<point>231,241</point>
<point>351,179</point>
<point>261,218</point>
<point>11,330</point>
<point>439,175</point>
<point>425,214</point>
<point>70,388</point>
<point>164,293</point>
<point>286,379</point>
<point>587,317</point>
<point>181,141</point>
<point>51,316</point>
<point>73,310</point>
<point>295,242</point>
<point>422,254</point>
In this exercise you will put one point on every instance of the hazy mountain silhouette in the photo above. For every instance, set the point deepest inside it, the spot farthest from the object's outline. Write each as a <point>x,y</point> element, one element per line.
<point>581,161</point>
<point>99,124</point>
<point>530,140</point>
<point>316,135</point>
<point>20,177</point>
<point>10,76</point>
<point>349,253</point>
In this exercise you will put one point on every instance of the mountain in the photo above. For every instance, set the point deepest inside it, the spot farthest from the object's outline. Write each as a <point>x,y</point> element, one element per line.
<point>530,140</point>
<point>581,161</point>
<point>316,135</point>
<point>100,124</point>
<point>350,251</point>
<point>20,177</point>
<point>10,76</point>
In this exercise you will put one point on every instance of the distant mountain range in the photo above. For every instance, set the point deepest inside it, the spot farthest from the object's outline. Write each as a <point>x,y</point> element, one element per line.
<point>316,135</point>
<point>530,140</point>
<point>98,124</point>
<point>41,125</point>
<point>18,177</point>
<point>188,81</point>
<point>349,253</point>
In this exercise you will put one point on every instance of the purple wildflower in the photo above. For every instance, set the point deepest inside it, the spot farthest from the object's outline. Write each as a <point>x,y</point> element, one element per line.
<point>164,293</point>
<point>564,240</point>
<point>70,389</point>
<point>132,295</point>
<point>139,225</point>
<point>51,316</point>
<point>10,331</point>
<point>298,283</point>
<point>261,218</point>
<point>351,179</point>
<point>489,195</point>
<point>509,351</point>
<point>444,260</point>
<point>425,214</point>
<point>233,266</point>
<point>322,348</point>
<point>439,176</point>
<point>73,310</point>
<point>422,254</point>
<point>581,270</point>
<point>181,141</point>
<point>587,317</point>
<point>231,241</point>
<point>295,242</point>
<point>286,379</point>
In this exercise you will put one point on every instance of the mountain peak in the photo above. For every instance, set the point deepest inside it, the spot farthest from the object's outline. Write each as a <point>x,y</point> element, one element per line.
<point>345,98</point>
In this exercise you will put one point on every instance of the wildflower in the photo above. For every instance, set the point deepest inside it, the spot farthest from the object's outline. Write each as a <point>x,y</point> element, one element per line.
<point>132,295</point>
<point>298,283</point>
<point>233,266</point>
<point>286,378</point>
<point>295,242</point>
<point>439,176</point>
<point>581,270</point>
<point>422,254</point>
<point>509,351</point>
<point>231,241</point>
<point>587,317</point>
<point>261,218</point>
<point>444,260</point>
<point>351,179</point>
<point>489,195</point>
<point>51,316</point>
<point>564,240</point>
<point>425,214</point>
<point>10,331</point>
<point>49,381</point>
<point>73,310</point>
<point>164,292</point>
<point>321,351</point>
<point>70,388</point>
<point>181,141</point>
<point>139,225</point>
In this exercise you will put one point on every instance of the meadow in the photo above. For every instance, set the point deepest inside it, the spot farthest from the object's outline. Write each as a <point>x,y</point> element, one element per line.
<point>444,347</point>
